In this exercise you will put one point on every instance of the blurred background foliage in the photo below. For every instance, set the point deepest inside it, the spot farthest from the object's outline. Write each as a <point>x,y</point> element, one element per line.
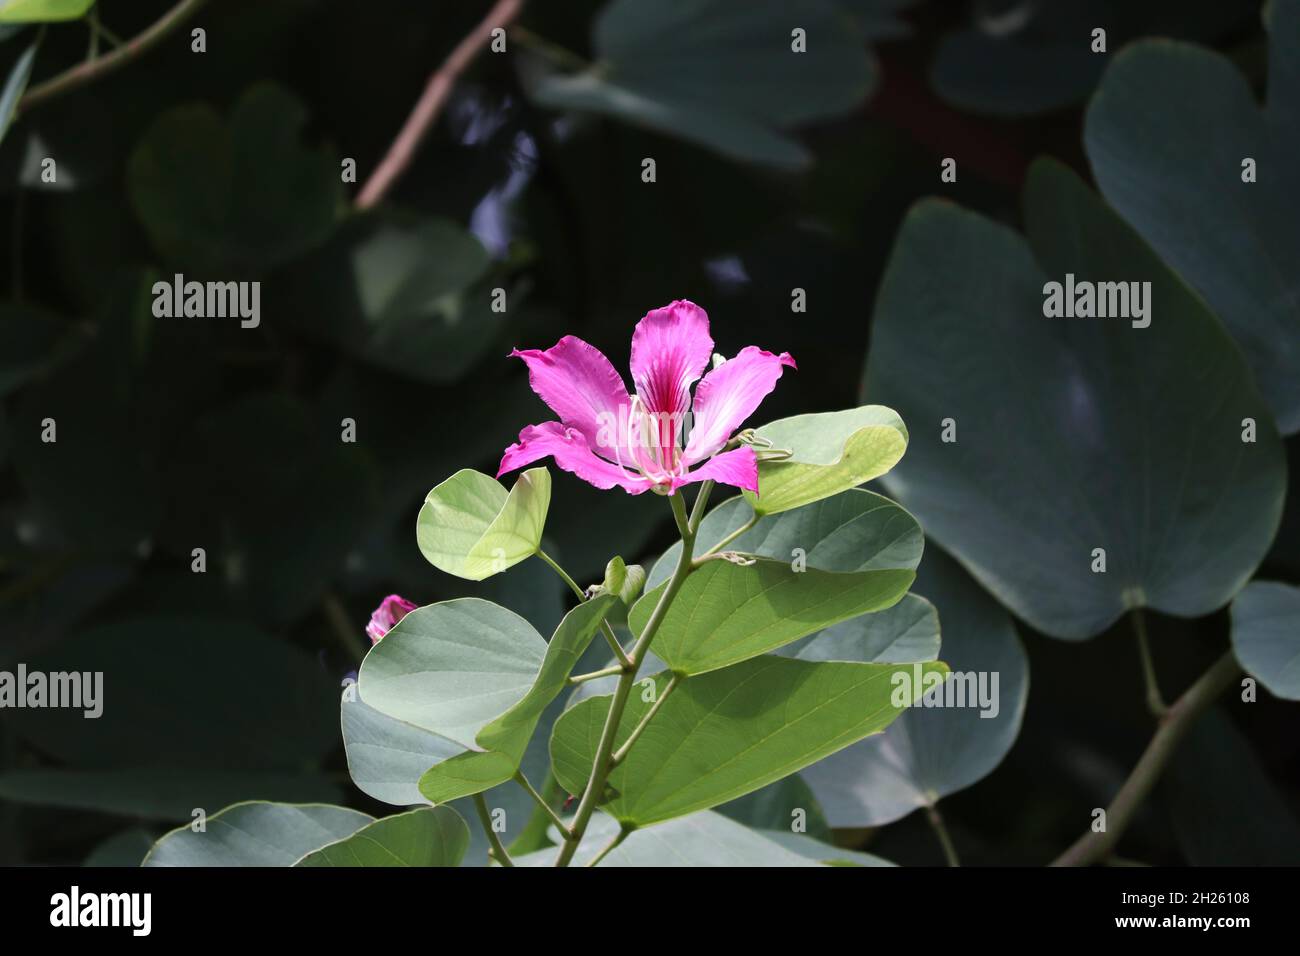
<point>175,433</point>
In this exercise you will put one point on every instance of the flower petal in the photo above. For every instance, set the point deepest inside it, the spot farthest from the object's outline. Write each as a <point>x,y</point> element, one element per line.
<point>569,448</point>
<point>738,467</point>
<point>584,389</point>
<point>385,617</point>
<point>671,348</point>
<point>728,395</point>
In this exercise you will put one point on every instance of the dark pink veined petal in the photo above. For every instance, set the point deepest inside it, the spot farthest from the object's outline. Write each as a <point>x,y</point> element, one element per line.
<point>385,617</point>
<point>569,448</point>
<point>738,467</point>
<point>671,348</point>
<point>728,395</point>
<point>585,390</point>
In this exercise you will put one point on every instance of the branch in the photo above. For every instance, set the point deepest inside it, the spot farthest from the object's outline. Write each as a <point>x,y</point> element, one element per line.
<point>431,102</point>
<point>1173,726</point>
<point>92,70</point>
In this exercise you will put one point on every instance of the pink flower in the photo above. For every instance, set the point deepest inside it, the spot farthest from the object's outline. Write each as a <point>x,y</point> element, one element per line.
<point>654,437</point>
<point>391,610</point>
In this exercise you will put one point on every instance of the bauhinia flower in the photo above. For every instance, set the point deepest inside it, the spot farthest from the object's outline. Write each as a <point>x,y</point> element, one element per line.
<point>658,436</point>
<point>385,617</point>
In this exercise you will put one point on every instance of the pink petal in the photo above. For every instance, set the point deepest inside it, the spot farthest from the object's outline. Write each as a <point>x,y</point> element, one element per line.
<point>728,395</point>
<point>385,617</point>
<point>584,389</point>
<point>671,348</point>
<point>738,467</point>
<point>569,448</point>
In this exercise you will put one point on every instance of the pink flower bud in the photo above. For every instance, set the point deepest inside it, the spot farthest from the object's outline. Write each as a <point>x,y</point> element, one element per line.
<point>391,610</point>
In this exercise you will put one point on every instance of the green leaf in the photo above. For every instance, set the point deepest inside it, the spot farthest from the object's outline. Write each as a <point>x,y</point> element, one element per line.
<point>43,11</point>
<point>1136,432</point>
<point>857,530</point>
<point>701,839</point>
<point>725,613</point>
<point>906,632</point>
<point>387,757</point>
<point>160,793</point>
<point>831,452</point>
<point>257,834</point>
<point>724,734</point>
<point>1266,635</point>
<point>471,528</point>
<point>15,85</point>
<point>823,852</point>
<point>1167,134</point>
<point>429,836</point>
<point>399,294</point>
<point>229,199</point>
<point>452,668</point>
<point>504,740</point>
<point>720,74</point>
<point>931,751</point>
<point>783,806</point>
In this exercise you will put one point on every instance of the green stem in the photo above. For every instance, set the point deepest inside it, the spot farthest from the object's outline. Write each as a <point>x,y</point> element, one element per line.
<point>1155,702</point>
<point>596,675</point>
<point>498,851</point>
<point>604,749</point>
<point>608,848</point>
<point>621,753</point>
<point>92,70</point>
<point>1173,726</point>
<point>540,800</point>
<point>941,831</point>
<point>730,538</point>
<point>610,638</point>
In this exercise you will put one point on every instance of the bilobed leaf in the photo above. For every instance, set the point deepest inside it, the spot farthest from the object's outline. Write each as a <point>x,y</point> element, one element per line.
<point>257,834</point>
<point>720,74</point>
<point>1136,431</point>
<point>452,668</point>
<point>502,741</point>
<point>470,527</point>
<point>227,198</point>
<point>725,612</point>
<point>856,530</point>
<point>42,11</point>
<point>386,756</point>
<point>429,836</point>
<point>830,452</point>
<point>931,751</point>
<point>1167,134</point>
<point>1266,635</point>
<point>722,735</point>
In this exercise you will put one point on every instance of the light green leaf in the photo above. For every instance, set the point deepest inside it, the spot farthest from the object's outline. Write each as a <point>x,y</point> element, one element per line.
<point>429,836</point>
<point>726,612</point>
<point>504,740</point>
<point>43,11</point>
<point>857,530</point>
<point>15,85</point>
<point>1167,134</point>
<point>257,834</point>
<point>720,74</point>
<point>469,527</point>
<point>1266,635</point>
<point>831,452</point>
<point>906,632</point>
<point>1136,431</point>
<point>452,668</point>
<point>931,751</point>
<point>724,734</point>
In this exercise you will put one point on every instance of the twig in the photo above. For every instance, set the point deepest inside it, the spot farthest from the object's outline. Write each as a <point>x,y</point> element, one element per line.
<point>498,851</point>
<point>1174,724</point>
<point>609,847</point>
<point>431,102</point>
<point>540,801</point>
<point>92,70</point>
<point>1155,702</point>
<point>941,831</point>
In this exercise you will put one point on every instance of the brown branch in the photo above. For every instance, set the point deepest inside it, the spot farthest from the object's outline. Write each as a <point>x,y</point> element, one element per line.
<point>91,70</point>
<point>1174,724</point>
<point>431,102</point>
